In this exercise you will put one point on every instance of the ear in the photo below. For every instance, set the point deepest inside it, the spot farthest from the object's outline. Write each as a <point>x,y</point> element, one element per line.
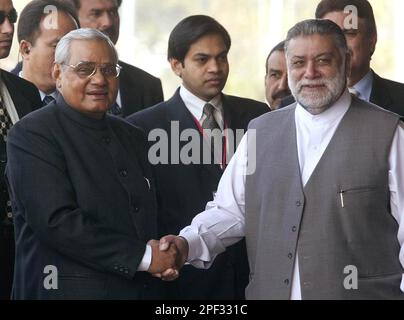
<point>372,44</point>
<point>348,58</point>
<point>56,75</point>
<point>176,66</point>
<point>25,49</point>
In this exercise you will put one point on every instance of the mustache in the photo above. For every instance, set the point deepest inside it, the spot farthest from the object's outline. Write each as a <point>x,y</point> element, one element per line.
<point>305,83</point>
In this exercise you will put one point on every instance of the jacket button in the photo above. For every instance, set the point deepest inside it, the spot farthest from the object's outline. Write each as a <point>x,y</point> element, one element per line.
<point>106,140</point>
<point>9,215</point>
<point>286,282</point>
<point>294,229</point>
<point>290,255</point>
<point>123,173</point>
<point>298,203</point>
<point>136,209</point>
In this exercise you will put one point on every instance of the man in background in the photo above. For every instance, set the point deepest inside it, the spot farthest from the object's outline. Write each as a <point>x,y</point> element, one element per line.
<point>41,25</point>
<point>17,98</point>
<point>138,89</point>
<point>276,77</point>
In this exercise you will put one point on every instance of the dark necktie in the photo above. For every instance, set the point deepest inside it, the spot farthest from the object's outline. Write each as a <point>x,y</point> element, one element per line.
<point>5,125</point>
<point>210,121</point>
<point>215,145</point>
<point>115,110</point>
<point>47,100</point>
<point>5,121</point>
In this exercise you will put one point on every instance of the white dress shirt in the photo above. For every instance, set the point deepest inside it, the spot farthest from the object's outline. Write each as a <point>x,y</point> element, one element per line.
<point>195,106</point>
<point>364,86</point>
<point>222,224</point>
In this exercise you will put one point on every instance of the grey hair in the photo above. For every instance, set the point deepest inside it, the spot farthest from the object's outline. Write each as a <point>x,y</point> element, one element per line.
<point>62,53</point>
<point>318,26</point>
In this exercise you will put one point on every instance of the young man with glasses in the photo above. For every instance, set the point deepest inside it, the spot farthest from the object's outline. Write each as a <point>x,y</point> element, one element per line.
<point>17,98</point>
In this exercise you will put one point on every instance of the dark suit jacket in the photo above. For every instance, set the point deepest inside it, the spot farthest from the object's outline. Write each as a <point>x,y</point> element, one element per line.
<point>184,190</point>
<point>138,88</point>
<point>81,203</point>
<point>385,93</point>
<point>26,99</point>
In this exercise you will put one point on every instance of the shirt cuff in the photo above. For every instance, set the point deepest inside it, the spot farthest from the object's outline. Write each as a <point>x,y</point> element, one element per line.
<point>146,261</point>
<point>194,244</point>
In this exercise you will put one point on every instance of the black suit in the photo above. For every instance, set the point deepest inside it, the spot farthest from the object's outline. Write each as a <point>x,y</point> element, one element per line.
<point>26,99</point>
<point>138,88</point>
<point>184,190</point>
<point>385,93</point>
<point>82,203</point>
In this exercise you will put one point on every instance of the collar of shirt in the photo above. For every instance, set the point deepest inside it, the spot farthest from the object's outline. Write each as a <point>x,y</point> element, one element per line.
<point>195,106</point>
<point>43,94</point>
<point>364,86</point>
<point>314,132</point>
<point>332,114</point>
<point>118,99</point>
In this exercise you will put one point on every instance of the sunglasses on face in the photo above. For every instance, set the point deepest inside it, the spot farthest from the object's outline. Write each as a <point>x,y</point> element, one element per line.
<point>89,69</point>
<point>11,16</point>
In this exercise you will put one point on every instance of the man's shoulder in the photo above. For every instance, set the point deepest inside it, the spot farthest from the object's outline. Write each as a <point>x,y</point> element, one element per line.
<point>275,116</point>
<point>150,116</point>
<point>390,85</point>
<point>373,110</point>
<point>137,74</point>
<point>20,83</point>
<point>245,102</point>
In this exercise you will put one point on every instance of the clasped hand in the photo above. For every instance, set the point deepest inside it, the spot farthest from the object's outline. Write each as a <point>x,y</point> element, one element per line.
<point>168,256</point>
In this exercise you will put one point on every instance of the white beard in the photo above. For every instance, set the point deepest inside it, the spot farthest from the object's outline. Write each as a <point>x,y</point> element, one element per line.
<point>318,101</point>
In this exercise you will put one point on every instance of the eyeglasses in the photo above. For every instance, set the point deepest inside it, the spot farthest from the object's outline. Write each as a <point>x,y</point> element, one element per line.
<point>12,16</point>
<point>85,69</point>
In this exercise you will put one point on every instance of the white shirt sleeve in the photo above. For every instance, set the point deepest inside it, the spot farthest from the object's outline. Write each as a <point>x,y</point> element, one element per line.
<point>146,260</point>
<point>222,223</point>
<point>396,186</point>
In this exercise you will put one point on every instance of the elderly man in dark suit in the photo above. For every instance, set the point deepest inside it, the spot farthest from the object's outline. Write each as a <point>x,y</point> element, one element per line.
<point>81,188</point>
<point>17,98</point>
<point>197,51</point>
<point>363,81</point>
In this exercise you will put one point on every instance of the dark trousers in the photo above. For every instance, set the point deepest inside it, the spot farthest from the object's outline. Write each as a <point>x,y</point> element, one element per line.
<point>7,251</point>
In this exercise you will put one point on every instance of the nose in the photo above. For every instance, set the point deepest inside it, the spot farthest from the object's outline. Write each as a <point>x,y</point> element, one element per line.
<point>283,83</point>
<point>311,70</point>
<point>214,66</point>
<point>106,21</point>
<point>98,77</point>
<point>7,26</point>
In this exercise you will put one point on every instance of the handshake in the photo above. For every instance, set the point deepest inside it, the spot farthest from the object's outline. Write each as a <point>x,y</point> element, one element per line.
<point>168,256</point>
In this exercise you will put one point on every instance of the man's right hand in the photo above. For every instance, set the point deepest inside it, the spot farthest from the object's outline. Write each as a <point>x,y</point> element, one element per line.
<point>181,244</point>
<point>163,260</point>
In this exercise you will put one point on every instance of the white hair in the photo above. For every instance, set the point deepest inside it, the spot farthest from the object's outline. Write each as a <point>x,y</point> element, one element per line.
<point>62,53</point>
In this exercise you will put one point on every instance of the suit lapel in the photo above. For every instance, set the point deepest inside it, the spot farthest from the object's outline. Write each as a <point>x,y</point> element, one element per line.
<point>177,111</point>
<point>130,96</point>
<point>379,95</point>
<point>22,105</point>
